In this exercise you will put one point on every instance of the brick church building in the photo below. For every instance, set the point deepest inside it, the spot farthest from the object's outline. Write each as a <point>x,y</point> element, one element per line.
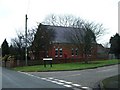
<point>61,48</point>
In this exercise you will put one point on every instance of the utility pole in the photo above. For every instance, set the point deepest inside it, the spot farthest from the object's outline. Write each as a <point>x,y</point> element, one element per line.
<point>26,40</point>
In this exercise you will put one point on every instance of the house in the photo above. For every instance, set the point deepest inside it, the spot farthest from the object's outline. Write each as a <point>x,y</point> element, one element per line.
<point>61,48</point>
<point>102,52</point>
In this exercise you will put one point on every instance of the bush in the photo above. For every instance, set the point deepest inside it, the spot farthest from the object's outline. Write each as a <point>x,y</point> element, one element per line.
<point>5,58</point>
<point>10,58</point>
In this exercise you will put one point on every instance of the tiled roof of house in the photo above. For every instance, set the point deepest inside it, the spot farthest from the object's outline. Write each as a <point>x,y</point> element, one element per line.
<point>62,32</point>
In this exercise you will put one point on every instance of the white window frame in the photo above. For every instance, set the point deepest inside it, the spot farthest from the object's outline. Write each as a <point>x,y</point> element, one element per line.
<point>72,51</point>
<point>76,51</point>
<point>56,54</point>
<point>61,52</point>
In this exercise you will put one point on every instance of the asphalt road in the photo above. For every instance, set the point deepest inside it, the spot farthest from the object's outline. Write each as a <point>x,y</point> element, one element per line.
<point>13,79</point>
<point>77,80</point>
<point>85,78</point>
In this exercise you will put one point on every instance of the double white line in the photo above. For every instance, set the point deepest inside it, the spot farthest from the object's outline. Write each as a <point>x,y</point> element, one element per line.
<point>59,82</point>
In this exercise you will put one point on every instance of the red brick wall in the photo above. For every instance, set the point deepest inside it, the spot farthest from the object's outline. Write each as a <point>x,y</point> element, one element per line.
<point>67,49</point>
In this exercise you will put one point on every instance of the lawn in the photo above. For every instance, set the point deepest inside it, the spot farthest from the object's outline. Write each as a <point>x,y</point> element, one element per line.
<point>66,66</point>
<point>111,83</point>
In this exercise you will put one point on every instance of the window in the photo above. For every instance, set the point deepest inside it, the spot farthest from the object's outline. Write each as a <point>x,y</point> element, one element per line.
<point>72,52</point>
<point>76,51</point>
<point>60,52</point>
<point>56,52</point>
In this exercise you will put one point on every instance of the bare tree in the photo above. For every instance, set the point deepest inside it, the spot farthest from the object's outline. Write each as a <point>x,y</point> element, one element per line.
<point>30,36</point>
<point>62,20</point>
<point>83,38</point>
<point>83,33</point>
<point>76,22</point>
<point>97,29</point>
<point>19,42</point>
<point>18,45</point>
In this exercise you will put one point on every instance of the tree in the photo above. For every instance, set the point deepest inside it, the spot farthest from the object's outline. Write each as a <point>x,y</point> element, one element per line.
<point>43,40</point>
<point>0,52</point>
<point>115,45</point>
<point>30,36</point>
<point>5,48</point>
<point>62,20</point>
<point>89,39</point>
<point>83,34</point>
<point>76,22</point>
<point>83,38</point>
<point>18,45</point>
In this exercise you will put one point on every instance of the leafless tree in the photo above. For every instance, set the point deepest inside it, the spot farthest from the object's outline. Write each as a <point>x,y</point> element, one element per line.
<point>83,33</point>
<point>83,38</point>
<point>18,45</point>
<point>76,22</point>
<point>61,20</point>
<point>97,29</point>
<point>30,36</point>
<point>19,42</point>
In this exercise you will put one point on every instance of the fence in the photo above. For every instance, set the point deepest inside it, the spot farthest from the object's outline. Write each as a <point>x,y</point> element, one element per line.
<point>15,63</point>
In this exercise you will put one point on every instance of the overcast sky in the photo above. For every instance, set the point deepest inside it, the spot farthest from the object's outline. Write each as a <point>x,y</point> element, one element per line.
<point>12,14</point>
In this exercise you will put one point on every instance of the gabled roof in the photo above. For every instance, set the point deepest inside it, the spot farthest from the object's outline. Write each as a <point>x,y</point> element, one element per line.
<point>61,32</point>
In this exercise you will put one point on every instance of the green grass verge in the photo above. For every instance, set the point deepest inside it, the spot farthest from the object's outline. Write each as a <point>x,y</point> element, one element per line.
<point>66,66</point>
<point>111,82</point>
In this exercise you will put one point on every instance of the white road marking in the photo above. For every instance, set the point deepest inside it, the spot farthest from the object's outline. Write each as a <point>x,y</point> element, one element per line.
<point>61,81</point>
<point>67,86</point>
<point>50,77</point>
<point>87,88</point>
<point>54,81</point>
<point>43,78</point>
<point>77,85</point>
<point>58,81</point>
<point>68,82</point>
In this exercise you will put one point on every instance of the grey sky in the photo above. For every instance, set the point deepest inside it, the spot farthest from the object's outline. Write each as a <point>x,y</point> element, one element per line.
<point>12,14</point>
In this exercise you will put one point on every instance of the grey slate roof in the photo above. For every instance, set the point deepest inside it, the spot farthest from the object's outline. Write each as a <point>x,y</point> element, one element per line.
<point>61,33</point>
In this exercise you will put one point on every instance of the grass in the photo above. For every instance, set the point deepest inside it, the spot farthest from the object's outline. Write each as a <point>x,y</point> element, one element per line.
<point>66,66</point>
<point>111,82</point>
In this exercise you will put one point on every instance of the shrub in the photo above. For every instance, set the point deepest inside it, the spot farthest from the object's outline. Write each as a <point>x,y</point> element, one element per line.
<point>10,58</point>
<point>5,58</point>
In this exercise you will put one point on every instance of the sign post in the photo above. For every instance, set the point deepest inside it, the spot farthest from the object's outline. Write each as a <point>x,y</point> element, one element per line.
<point>47,60</point>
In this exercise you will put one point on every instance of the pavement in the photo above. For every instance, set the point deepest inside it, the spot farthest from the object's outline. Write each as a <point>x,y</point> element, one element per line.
<point>74,80</point>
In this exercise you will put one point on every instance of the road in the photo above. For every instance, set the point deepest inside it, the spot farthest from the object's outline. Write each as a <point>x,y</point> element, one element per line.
<point>13,79</point>
<point>77,80</point>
